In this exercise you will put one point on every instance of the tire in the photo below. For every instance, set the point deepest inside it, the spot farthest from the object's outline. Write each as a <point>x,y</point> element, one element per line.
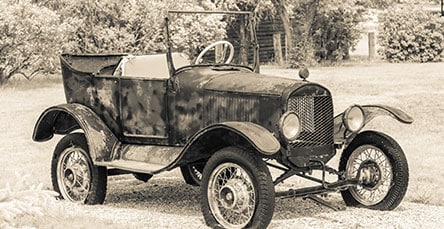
<point>192,173</point>
<point>73,174</point>
<point>383,168</point>
<point>237,179</point>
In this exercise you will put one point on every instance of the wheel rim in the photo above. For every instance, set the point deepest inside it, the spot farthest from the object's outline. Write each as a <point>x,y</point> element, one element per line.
<point>231,195</point>
<point>375,173</point>
<point>74,174</point>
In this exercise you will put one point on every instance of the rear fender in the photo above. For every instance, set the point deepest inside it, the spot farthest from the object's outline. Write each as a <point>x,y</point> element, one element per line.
<point>244,134</point>
<point>65,118</point>
<point>342,135</point>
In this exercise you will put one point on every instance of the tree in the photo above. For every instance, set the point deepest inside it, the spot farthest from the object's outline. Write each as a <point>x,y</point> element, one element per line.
<point>30,39</point>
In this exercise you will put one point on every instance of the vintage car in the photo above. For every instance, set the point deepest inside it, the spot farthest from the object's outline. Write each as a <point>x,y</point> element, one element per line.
<point>223,124</point>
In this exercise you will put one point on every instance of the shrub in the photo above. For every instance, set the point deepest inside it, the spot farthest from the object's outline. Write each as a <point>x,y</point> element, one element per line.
<point>23,198</point>
<point>334,31</point>
<point>411,34</point>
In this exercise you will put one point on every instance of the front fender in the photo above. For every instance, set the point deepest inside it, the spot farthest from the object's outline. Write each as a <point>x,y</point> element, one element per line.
<point>342,135</point>
<point>65,118</point>
<point>203,144</point>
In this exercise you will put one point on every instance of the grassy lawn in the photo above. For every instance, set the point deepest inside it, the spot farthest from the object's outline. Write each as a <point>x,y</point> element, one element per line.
<point>416,88</point>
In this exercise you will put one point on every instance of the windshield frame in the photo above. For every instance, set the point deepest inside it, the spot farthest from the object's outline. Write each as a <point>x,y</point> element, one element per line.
<point>250,26</point>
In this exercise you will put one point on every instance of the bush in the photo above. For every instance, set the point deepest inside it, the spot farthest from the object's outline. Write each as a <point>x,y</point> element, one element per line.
<point>30,39</point>
<point>411,34</point>
<point>23,198</point>
<point>334,31</point>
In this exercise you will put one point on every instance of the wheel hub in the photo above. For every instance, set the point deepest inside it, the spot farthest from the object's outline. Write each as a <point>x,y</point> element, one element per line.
<point>70,178</point>
<point>234,194</point>
<point>370,174</point>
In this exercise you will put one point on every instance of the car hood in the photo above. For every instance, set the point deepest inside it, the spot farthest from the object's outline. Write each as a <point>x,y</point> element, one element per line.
<point>238,81</point>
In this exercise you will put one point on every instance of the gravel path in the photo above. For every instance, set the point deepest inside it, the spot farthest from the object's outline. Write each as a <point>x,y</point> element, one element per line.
<point>166,202</point>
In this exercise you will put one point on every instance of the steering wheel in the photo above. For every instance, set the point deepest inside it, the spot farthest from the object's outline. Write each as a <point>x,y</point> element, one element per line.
<point>225,45</point>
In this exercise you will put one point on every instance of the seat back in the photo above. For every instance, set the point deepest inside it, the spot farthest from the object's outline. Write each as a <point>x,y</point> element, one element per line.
<point>149,66</point>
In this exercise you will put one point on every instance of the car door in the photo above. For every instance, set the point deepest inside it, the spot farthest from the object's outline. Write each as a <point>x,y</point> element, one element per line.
<point>143,101</point>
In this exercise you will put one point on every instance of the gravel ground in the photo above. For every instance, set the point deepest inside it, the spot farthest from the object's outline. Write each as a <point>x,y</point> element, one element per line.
<point>166,202</point>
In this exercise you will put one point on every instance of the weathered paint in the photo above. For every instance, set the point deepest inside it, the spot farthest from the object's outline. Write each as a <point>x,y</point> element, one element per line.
<point>100,138</point>
<point>142,110</point>
<point>208,96</point>
<point>341,135</point>
<point>149,159</point>
<point>143,107</point>
<point>85,86</point>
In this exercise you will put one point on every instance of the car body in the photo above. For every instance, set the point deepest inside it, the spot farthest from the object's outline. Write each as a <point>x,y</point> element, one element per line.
<point>153,113</point>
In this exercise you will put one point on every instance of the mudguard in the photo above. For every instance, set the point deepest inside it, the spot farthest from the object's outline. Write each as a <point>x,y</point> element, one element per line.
<point>342,135</point>
<point>251,134</point>
<point>65,118</point>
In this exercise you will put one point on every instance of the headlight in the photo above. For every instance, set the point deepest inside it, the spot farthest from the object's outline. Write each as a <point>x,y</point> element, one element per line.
<point>290,126</point>
<point>353,118</point>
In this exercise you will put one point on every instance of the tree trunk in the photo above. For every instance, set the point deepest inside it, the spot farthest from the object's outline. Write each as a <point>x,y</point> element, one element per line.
<point>243,52</point>
<point>312,8</point>
<point>3,76</point>
<point>282,12</point>
<point>277,48</point>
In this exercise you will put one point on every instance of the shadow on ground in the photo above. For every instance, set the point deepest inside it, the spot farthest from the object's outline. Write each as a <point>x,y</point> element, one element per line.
<point>171,195</point>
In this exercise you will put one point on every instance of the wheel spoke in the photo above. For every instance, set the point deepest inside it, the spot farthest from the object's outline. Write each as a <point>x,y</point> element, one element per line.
<point>376,174</point>
<point>74,174</point>
<point>231,195</point>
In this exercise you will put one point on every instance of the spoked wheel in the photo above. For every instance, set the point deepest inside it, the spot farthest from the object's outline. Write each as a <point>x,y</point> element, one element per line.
<point>73,175</point>
<point>237,190</point>
<point>192,173</point>
<point>380,164</point>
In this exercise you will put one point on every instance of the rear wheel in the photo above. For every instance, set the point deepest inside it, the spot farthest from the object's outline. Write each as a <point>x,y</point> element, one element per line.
<point>192,173</point>
<point>73,174</point>
<point>237,190</point>
<point>382,168</point>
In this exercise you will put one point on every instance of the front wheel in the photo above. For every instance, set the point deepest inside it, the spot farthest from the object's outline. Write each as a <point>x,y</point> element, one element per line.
<point>380,164</point>
<point>73,174</point>
<point>237,190</point>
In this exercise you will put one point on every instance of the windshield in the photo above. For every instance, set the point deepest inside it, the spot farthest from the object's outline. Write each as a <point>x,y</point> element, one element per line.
<point>212,38</point>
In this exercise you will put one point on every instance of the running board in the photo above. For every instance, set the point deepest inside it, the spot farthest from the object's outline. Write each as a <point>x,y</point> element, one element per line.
<point>147,159</point>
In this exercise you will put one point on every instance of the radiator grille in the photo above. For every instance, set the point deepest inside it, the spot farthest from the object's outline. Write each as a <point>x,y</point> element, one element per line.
<point>316,114</point>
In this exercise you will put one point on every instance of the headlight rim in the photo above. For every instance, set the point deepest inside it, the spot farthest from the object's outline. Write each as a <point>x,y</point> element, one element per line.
<point>282,121</point>
<point>346,114</point>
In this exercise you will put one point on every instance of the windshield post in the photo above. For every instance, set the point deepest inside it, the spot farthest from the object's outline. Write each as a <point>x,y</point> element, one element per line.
<point>171,69</point>
<point>252,25</point>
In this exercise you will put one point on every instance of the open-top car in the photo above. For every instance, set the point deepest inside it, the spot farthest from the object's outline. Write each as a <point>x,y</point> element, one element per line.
<point>214,116</point>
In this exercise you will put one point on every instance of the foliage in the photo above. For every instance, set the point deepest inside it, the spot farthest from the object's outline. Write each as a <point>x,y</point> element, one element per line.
<point>411,34</point>
<point>23,198</point>
<point>333,32</point>
<point>30,39</point>
<point>336,30</point>
<point>134,27</point>
<point>376,4</point>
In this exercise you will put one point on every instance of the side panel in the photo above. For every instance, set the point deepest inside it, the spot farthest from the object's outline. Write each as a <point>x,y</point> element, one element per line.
<point>99,93</point>
<point>143,108</point>
<point>63,119</point>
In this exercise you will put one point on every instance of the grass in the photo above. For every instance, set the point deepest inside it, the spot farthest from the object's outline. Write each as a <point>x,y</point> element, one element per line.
<point>416,88</point>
